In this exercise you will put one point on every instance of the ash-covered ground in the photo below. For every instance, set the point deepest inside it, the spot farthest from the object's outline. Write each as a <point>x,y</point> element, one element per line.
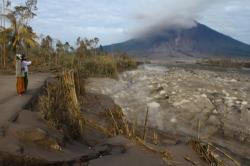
<point>189,101</point>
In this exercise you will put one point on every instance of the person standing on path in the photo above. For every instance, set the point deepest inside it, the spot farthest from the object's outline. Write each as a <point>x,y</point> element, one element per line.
<point>20,86</point>
<point>25,69</point>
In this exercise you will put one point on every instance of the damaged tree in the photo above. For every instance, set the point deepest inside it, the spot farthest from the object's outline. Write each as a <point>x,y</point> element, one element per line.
<point>60,106</point>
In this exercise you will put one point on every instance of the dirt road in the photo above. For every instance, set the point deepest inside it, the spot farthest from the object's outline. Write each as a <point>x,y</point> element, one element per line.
<point>10,102</point>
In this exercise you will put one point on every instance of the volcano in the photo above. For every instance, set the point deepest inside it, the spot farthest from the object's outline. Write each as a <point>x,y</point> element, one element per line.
<point>197,41</point>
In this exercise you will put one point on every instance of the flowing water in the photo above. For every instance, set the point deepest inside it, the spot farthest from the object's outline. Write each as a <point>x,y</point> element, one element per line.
<point>180,99</point>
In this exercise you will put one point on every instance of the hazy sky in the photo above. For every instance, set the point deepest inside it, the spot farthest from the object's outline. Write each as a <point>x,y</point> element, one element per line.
<point>118,20</point>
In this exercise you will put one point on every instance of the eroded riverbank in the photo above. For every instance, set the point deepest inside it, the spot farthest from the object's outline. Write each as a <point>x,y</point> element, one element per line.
<point>45,130</point>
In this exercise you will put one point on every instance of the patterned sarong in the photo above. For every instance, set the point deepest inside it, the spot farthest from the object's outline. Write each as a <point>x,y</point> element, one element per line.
<point>20,86</point>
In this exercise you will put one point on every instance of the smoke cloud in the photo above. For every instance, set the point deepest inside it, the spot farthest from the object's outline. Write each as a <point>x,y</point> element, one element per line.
<point>156,15</point>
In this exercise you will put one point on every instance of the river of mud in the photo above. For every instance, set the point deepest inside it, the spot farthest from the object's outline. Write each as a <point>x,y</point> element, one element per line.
<point>214,104</point>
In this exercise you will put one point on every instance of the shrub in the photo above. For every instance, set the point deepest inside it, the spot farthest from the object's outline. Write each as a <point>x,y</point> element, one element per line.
<point>228,63</point>
<point>124,62</point>
<point>101,66</point>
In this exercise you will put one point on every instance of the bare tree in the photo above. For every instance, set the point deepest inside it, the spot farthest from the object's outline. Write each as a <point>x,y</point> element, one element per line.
<point>26,12</point>
<point>47,48</point>
<point>96,41</point>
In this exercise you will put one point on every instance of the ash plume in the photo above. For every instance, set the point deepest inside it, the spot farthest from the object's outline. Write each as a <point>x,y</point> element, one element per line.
<point>157,15</point>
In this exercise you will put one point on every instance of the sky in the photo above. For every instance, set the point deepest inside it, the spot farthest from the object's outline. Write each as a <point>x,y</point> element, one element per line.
<point>115,21</point>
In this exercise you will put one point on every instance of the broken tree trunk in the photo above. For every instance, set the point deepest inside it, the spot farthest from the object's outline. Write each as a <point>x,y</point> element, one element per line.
<point>72,104</point>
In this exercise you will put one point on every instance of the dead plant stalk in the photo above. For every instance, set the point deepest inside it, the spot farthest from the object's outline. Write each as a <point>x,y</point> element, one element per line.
<point>145,125</point>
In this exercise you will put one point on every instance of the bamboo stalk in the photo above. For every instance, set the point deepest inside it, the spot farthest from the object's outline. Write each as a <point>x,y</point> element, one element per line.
<point>155,138</point>
<point>145,125</point>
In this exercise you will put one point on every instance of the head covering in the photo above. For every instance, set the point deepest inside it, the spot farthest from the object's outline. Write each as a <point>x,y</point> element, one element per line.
<point>19,56</point>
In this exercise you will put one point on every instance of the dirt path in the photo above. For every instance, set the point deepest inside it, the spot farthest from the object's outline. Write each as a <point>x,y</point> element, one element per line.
<point>10,102</point>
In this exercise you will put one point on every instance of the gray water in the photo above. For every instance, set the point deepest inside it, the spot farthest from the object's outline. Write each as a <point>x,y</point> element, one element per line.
<point>179,96</point>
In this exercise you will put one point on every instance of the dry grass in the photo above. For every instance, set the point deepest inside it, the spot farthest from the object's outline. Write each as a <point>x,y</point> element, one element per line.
<point>212,154</point>
<point>103,65</point>
<point>88,66</point>
<point>206,153</point>
<point>227,63</point>
<point>125,62</point>
<point>99,66</point>
<point>121,126</point>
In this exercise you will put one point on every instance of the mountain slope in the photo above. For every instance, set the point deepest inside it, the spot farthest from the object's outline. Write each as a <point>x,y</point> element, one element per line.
<point>198,41</point>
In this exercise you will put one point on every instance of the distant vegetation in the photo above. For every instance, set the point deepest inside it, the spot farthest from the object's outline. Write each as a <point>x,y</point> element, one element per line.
<point>228,63</point>
<point>46,53</point>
